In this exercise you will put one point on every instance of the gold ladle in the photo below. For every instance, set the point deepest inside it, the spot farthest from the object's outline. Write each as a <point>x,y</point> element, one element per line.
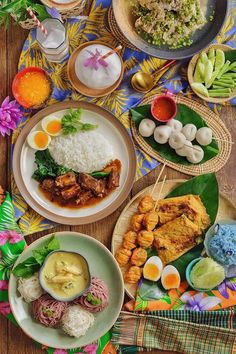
<point>144,82</point>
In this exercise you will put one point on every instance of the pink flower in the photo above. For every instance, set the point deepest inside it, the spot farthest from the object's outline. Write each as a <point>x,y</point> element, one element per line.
<point>91,348</point>
<point>3,285</point>
<point>60,351</point>
<point>94,60</point>
<point>10,114</point>
<point>5,308</point>
<point>12,236</point>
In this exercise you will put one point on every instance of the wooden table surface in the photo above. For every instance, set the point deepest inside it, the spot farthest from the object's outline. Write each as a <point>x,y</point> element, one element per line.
<point>12,339</point>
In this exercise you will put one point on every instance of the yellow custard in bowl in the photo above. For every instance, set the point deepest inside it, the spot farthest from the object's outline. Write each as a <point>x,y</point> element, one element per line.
<point>65,275</point>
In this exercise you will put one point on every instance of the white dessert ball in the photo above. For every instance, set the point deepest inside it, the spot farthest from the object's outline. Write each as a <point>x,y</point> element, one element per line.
<point>196,154</point>
<point>204,136</point>
<point>189,131</point>
<point>146,127</point>
<point>177,140</point>
<point>175,125</point>
<point>185,150</point>
<point>162,134</point>
<point>103,76</point>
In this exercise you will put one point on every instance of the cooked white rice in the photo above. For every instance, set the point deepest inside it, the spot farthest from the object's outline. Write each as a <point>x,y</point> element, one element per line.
<point>82,152</point>
<point>76,321</point>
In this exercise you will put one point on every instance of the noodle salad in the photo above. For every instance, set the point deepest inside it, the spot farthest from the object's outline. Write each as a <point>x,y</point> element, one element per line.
<point>168,22</point>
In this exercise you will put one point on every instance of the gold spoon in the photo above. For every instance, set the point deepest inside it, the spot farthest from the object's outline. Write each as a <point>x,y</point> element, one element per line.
<point>144,82</point>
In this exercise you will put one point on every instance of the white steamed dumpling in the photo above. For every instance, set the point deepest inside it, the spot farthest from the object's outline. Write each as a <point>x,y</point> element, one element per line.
<point>204,136</point>
<point>185,150</point>
<point>162,134</point>
<point>189,131</point>
<point>196,155</point>
<point>177,140</point>
<point>175,125</point>
<point>146,127</point>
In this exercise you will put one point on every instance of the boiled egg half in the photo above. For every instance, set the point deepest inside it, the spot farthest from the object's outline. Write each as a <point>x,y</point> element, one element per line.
<point>170,278</point>
<point>52,126</point>
<point>38,140</point>
<point>153,268</point>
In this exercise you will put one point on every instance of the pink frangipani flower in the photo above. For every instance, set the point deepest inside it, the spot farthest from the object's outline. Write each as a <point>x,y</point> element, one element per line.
<point>10,114</point>
<point>198,302</point>
<point>5,308</point>
<point>3,285</point>
<point>12,236</point>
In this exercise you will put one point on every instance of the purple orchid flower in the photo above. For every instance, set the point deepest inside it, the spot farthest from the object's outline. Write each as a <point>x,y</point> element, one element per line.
<point>10,114</point>
<point>54,13</point>
<point>228,283</point>
<point>198,302</point>
<point>94,60</point>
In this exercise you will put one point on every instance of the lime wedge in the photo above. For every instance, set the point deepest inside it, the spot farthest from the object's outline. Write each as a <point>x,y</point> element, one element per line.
<point>207,274</point>
<point>208,72</point>
<point>200,88</point>
<point>220,59</point>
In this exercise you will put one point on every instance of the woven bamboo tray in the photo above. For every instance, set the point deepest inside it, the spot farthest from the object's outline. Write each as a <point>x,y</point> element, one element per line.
<point>74,9</point>
<point>226,211</point>
<point>220,132</point>
<point>191,69</point>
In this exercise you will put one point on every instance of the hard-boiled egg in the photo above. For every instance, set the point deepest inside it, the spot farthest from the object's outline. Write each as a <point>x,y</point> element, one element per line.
<point>52,126</point>
<point>153,268</point>
<point>170,278</point>
<point>38,140</point>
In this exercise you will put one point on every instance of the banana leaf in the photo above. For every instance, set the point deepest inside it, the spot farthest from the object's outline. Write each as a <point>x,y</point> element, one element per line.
<point>185,115</point>
<point>206,186</point>
<point>230,55</point>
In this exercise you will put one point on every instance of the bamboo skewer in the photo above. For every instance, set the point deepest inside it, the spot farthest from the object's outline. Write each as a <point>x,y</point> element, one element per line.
<point>160,191</point>
<point>157,180</point>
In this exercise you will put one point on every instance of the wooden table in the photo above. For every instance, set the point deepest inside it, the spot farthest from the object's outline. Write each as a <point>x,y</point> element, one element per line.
<point>12,339</point>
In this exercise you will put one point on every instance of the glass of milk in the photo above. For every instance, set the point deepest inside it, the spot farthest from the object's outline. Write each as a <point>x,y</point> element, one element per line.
<point>55,45</point>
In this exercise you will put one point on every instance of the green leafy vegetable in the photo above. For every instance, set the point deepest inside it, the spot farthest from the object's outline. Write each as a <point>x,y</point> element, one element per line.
<point>92,299</point>
<point>71,122</point>
<point>32,264</point>
<point>47,167</point>
<point>185,115</point>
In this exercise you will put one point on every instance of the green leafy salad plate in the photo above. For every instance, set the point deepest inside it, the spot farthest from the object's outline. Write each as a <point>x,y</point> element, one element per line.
<point>217,206</point>
<point>189,111</point>
<point>43,318</point>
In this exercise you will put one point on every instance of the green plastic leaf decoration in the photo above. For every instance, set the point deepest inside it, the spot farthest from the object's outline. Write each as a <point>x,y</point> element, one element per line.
<point>185,115</point>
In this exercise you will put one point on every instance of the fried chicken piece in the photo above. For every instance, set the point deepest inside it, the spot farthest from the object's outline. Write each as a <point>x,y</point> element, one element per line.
<point>146,204</point>
<point>2,195</point>
<point>133,275</point>
<point>122,256</point>
<point>71,192</point>
<point>139,257</point>
<point>136,222</point>
<point>145,238</point>
<point>67,180</point>
<point>129,240</point>
<point>150,220</point>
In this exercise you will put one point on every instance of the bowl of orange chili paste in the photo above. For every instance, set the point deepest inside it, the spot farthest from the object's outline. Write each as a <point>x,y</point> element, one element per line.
<point>32,87</point>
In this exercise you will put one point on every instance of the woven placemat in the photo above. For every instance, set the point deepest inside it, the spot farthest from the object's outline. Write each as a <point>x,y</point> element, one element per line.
<point>114,28</point>
<point>220,132</point>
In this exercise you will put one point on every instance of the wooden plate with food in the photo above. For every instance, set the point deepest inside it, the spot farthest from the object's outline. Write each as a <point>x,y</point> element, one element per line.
<point>172,227</point>
<point>188,28</point>
<point>74,163</point>
<point>196,141</point>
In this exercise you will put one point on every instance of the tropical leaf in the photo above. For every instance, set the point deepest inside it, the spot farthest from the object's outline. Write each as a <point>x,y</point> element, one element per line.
<point>151,290</point>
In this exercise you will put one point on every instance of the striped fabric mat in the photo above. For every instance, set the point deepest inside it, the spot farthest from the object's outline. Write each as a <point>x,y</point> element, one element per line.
<point>185,332</point>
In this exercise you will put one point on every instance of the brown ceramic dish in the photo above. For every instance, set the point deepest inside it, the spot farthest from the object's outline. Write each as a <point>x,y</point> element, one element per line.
<point>79,86</point>
<point>23,158</point>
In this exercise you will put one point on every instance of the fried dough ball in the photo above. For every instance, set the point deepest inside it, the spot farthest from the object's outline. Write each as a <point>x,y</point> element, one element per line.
<point>129,240</point>
<point>133,275</point>
<point>150,220</point>
<point>146,204</point>
<point>122,256</point>
<point>145,238</point>
<point>136,222</point>
<point>139,257</point>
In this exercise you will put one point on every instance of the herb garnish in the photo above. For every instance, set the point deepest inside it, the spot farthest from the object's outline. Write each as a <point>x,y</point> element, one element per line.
<point>71,123</point>
<point>92,299</point>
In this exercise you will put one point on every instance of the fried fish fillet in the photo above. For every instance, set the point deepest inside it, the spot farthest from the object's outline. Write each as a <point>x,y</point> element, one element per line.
<point>175,238</point>
<point>191,205</point>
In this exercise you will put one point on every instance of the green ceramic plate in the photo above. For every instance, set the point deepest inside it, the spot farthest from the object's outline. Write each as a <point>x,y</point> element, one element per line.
<point>102,264</point>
